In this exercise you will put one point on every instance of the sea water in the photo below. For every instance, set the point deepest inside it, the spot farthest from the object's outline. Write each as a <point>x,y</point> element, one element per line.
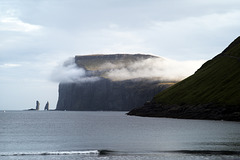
<point>67,135</point>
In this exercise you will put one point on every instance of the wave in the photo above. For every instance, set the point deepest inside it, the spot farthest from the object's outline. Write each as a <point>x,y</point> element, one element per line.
<point>89,152</point>
<point>111,152</point>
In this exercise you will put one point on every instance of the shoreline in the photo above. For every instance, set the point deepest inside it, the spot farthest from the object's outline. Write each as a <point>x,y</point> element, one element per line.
<point>198,111</point>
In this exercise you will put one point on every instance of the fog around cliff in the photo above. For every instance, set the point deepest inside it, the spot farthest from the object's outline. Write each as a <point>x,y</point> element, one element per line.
<point>152,68</point>
<point>69,72</point>
<point>155,68</point>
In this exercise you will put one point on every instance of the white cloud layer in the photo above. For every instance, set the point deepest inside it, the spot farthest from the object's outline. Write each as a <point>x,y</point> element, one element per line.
<point>69,72</point>
<point>9,65</point>
<point>152,69</point>
<point>14,24</point>
<point>155,68</point>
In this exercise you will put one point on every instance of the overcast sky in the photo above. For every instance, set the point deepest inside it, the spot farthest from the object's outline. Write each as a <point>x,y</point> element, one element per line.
<point>37,35</point>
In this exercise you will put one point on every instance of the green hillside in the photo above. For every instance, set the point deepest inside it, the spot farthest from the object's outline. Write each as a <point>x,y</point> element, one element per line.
<point>217,81</point>
<point>212,92</point>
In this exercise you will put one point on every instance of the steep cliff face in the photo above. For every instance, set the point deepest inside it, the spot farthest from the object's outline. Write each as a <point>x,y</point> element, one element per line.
<point>107,95</point>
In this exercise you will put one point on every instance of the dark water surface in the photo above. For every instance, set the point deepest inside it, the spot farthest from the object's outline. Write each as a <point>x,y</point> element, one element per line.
<point>68,135</point>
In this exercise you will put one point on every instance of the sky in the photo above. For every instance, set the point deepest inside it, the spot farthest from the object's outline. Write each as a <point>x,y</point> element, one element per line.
<point>38,35</point>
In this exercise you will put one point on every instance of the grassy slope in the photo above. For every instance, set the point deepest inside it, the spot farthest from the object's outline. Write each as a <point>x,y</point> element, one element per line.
<point>217,81</point>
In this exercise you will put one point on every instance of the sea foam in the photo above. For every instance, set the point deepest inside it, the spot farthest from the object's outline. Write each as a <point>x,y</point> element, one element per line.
<point>52,153</point>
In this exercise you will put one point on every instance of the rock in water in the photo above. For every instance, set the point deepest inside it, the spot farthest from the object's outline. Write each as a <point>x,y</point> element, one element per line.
<point>46,106</point>
<point>37,105</point>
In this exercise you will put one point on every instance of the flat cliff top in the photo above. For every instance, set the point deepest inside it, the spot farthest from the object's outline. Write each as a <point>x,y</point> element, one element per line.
<point>118,67</point>
<point>108,61</point>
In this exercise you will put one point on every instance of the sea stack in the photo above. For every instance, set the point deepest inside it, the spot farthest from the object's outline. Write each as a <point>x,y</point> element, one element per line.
<point>46,106</point>
<point>37,105</point>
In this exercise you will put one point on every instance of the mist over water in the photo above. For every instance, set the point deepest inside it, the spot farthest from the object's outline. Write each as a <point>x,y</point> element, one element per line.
<point>162,69</point>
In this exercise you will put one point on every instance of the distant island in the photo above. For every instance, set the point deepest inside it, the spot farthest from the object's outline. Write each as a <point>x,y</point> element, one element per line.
<point>213,92</point>
<point>104,89</point>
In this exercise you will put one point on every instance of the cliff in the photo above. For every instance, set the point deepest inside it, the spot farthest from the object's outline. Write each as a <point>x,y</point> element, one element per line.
<point>211,93</point>
<point>108,93</point>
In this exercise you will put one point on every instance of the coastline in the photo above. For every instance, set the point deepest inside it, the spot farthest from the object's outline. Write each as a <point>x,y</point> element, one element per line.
<point>185,111</point>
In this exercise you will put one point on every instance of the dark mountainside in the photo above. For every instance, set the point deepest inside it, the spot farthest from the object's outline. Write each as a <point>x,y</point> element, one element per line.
<point>107,94</point>
<point>213,92</point>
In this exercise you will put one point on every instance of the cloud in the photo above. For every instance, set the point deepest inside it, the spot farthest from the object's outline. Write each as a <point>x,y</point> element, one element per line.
<point>209,22</point>
<point>10,21</point>
<point>9,65</point>
<point>15,24</point>
<point>154,68</point>
<point>68,72</point>
<point>193,37</point>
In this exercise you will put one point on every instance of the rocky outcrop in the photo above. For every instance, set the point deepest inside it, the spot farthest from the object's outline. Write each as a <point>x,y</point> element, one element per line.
<point>107,95</point>
<point>200,111</point>
<point>46,106</point>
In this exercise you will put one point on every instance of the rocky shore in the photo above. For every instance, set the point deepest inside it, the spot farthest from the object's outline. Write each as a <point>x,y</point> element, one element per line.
<point>200,111</point>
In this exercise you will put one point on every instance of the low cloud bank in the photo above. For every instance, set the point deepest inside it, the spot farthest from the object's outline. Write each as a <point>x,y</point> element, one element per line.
<point>155,68</point>
<point>69,72</point>
<point>152,68</point>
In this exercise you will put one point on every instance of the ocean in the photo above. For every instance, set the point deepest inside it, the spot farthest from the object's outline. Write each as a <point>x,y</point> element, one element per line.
<point>68,135</point>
